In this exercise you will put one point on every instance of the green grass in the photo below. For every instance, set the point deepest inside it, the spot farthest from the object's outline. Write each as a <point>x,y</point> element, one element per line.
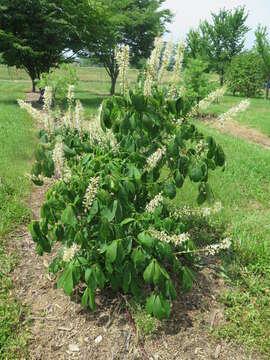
<point>243,188</point>
<point>17,141</point>
<point>257,116</point>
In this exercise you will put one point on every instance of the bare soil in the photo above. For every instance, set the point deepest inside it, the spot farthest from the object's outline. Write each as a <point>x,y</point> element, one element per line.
<point>241,131</point>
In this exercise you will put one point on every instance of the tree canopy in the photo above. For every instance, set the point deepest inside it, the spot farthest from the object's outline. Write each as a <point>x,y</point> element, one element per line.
<point>135,23</point>
<point>263,49</point>
<point>220,39</point>
<point>36,34</point>
<point>245,74</point>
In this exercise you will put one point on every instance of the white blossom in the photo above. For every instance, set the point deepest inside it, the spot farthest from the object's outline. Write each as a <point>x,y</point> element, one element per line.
<point>79,117</point>
<point>217,207</point>
<point>165,60</point>
<point>212,97</point>
<point>154,203</point>
<point>122,58</point>
<point>90,193</point>
<point>34,113</point>
<point>171,238</point>
<point>176,75</point>
<point>70,95</point>
<point>153,159</point>
<point>70,252</point>
<point>58,157</point>
<point>215,248</point>
<point>152,67</point>
<point>206,211</point>
<point>234,111</point>
<point>47,96</point>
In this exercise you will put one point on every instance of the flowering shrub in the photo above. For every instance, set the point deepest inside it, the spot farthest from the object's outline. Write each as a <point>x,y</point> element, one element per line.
<point>114,179</point>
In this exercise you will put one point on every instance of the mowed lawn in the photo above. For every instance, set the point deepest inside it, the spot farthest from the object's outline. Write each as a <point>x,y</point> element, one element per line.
<point>243,188</point>
<point>17,141</point>
<point>256,117</point>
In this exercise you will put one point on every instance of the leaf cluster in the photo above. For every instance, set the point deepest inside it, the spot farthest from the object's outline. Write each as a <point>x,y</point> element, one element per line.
<point>117,246</point>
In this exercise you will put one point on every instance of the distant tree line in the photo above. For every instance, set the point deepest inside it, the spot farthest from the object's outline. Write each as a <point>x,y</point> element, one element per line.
<point>37,35</point>
<point>219,43</point>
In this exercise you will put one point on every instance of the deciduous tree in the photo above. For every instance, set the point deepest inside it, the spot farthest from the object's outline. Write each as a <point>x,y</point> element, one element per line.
<point>135,23</point>
<point>36,34</point>
<point>263,49</point>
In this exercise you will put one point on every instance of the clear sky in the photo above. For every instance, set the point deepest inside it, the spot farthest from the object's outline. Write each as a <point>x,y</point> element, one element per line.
<point>188,14</point>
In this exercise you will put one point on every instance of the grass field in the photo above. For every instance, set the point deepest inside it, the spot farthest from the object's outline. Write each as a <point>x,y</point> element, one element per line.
<point>243,189</point>
<point>17,142</point>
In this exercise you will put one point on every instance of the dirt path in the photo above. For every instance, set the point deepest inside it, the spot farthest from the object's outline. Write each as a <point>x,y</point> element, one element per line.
<point>60,329</point>
<point>241,131</point>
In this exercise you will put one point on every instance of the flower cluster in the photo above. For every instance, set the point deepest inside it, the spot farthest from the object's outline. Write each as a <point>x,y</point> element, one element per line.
<point>172,238</point>
<point>122,58</point>
<point>47,99</point>
<point>232,113</point>
<point>152,67</point>
<point>90,193</point>
<point>154,203</point>
<point>201,148</point>
<point>70,95</point>
<point>98,136</point>
<point>176,76</point>
<point>215,248</point>
<point>165,60</point>
<point>212,97</point>
<point>205,211</point>
<point>79,117</point>
<point>58,157</point>
<point>70,252</point>
<point>153,159</point>
<point>35,114</point>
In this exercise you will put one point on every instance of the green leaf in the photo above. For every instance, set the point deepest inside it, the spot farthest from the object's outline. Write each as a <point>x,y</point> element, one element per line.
<point>69,217</point>
<point>186,279</point>
<point>138,258</point>
<point>85,298</point>
<point>110,214</point>
<point>126,279</point>
<point>149,272</point>
<point>195,172</point>
<point>150,303</point>
<point>160,307</point>
<point>111,252</point>
<point>65,281</point>
<point>170,289</point>
<point>145,239</point>
<point>170,190</point>
<point>92,303</point>
<point>127,221</point>
<point>219,156</point>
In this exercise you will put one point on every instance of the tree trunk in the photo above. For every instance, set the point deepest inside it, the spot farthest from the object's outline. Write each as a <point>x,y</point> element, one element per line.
<point>113,84</point>
<point>41,98</point>
<point>33,85</point>
<point>267,89</point>
<point>221,79</point>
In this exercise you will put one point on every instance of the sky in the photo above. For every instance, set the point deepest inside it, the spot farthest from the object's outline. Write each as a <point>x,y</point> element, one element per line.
<point>188,14</point>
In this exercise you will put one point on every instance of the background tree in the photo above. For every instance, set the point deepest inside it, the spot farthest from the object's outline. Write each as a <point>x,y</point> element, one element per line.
<point>126,22</point>
<point>222,38</point>
<point>245,74</point>
<point>36,34</point>
<point>263,49</point>
<point>197,84</point>
<point>195,46</point>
